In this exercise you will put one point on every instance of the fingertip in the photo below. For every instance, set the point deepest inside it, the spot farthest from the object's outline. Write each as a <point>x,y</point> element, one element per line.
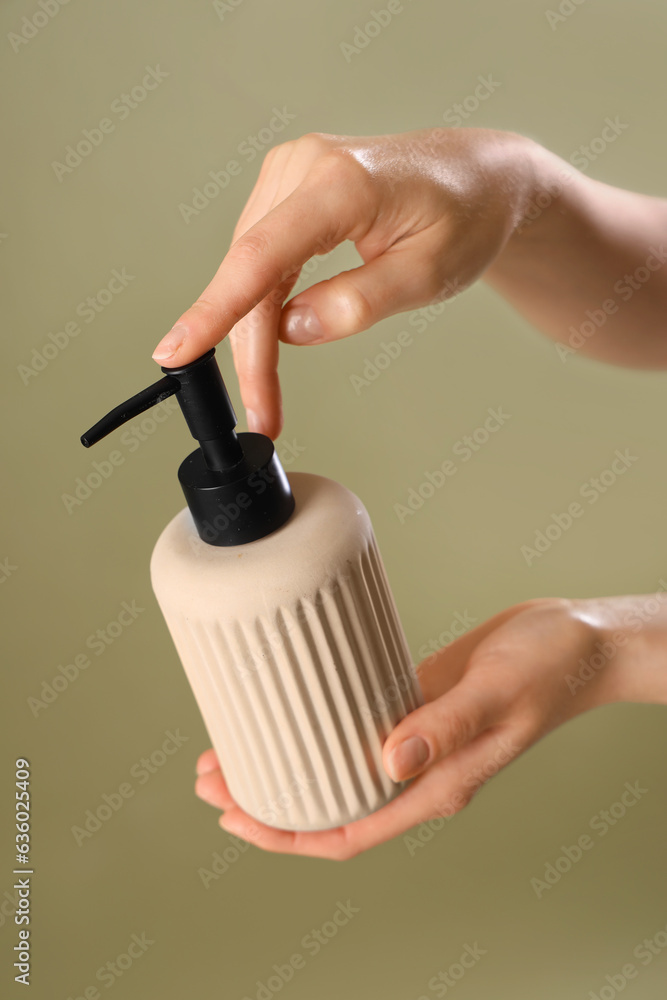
<point>205,792</point>
<point>207,762</point>
<point>261,420</point>
<point>170,345</point>
<point>253,422</point>
<point>232,822</point>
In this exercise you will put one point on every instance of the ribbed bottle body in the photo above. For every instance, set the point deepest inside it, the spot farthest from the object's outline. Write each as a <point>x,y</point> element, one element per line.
<point>296,656</point>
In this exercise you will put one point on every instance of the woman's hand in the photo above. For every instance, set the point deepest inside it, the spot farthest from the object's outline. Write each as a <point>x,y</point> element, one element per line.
<point>427,210</point>
<point>489,695</point>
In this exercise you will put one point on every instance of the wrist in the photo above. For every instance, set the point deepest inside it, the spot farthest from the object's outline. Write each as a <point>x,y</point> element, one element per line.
<point>520,175</point>
<point>628,657</point>
<point>550,194</point>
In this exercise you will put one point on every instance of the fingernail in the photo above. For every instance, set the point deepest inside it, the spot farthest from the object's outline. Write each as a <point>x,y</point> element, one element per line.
<point>302,325</point>
<point>408,758</point>
<point>170,344</point>
<point>252,421</point>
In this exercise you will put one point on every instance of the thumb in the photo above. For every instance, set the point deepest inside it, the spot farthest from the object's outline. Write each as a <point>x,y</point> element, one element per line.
<point>399,279</point>
<point>437,729</point>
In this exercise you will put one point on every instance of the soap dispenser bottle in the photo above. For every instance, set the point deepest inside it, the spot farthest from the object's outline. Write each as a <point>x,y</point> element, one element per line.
<point>277,601</point>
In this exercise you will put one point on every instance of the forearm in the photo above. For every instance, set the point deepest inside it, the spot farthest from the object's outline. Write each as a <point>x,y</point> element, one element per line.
<point>588,265</point>
<point>629,657</point>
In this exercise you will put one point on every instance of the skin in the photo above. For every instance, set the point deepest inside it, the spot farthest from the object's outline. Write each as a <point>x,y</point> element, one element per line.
<point>489,696</point>
<point>431,211</point>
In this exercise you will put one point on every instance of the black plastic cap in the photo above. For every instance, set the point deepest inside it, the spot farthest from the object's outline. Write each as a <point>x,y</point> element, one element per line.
<point>242,504</point>
<point>234,484</point>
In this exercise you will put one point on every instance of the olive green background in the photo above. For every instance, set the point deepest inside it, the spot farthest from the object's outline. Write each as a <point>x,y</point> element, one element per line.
<point>470,882</point>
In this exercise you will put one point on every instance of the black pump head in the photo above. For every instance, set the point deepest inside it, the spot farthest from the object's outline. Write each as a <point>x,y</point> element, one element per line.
<point>235,486</point>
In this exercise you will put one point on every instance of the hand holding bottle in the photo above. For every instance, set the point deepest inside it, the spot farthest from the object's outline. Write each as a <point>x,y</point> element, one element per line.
<point>430,211</point>
<point>489,695</point>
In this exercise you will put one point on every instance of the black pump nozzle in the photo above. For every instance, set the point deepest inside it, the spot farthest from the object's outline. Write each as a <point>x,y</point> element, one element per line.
<point>143,400</point>
<point>234,484</point>
<point>203,398</point>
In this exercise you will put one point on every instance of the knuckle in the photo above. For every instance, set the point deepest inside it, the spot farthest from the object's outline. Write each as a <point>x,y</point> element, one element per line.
<point>315,142</point>
<point>273,152</point>
<point>347,191</point>
<point>468,795</point>
<point>275,155</point>
<point>238,335</point>
<point>252,377</point>
<point>345,854</point>
<point>345,849</point>
<point>251,247</point>
<point>339,165</point>
<point>493,653</point>
<point>458,728</point>
<point>208,311</point>
<point>455,803</point>
<point>356,310</point>
<point>462,800</point>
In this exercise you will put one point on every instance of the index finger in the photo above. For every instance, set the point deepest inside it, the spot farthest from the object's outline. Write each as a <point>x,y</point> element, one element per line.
<point>312,219</point>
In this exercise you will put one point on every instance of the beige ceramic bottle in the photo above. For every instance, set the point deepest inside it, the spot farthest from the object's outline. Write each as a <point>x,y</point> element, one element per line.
<point>278,604</point>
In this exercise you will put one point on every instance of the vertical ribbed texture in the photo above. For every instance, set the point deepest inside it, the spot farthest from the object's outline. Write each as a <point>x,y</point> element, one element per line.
<point>334,662</point>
